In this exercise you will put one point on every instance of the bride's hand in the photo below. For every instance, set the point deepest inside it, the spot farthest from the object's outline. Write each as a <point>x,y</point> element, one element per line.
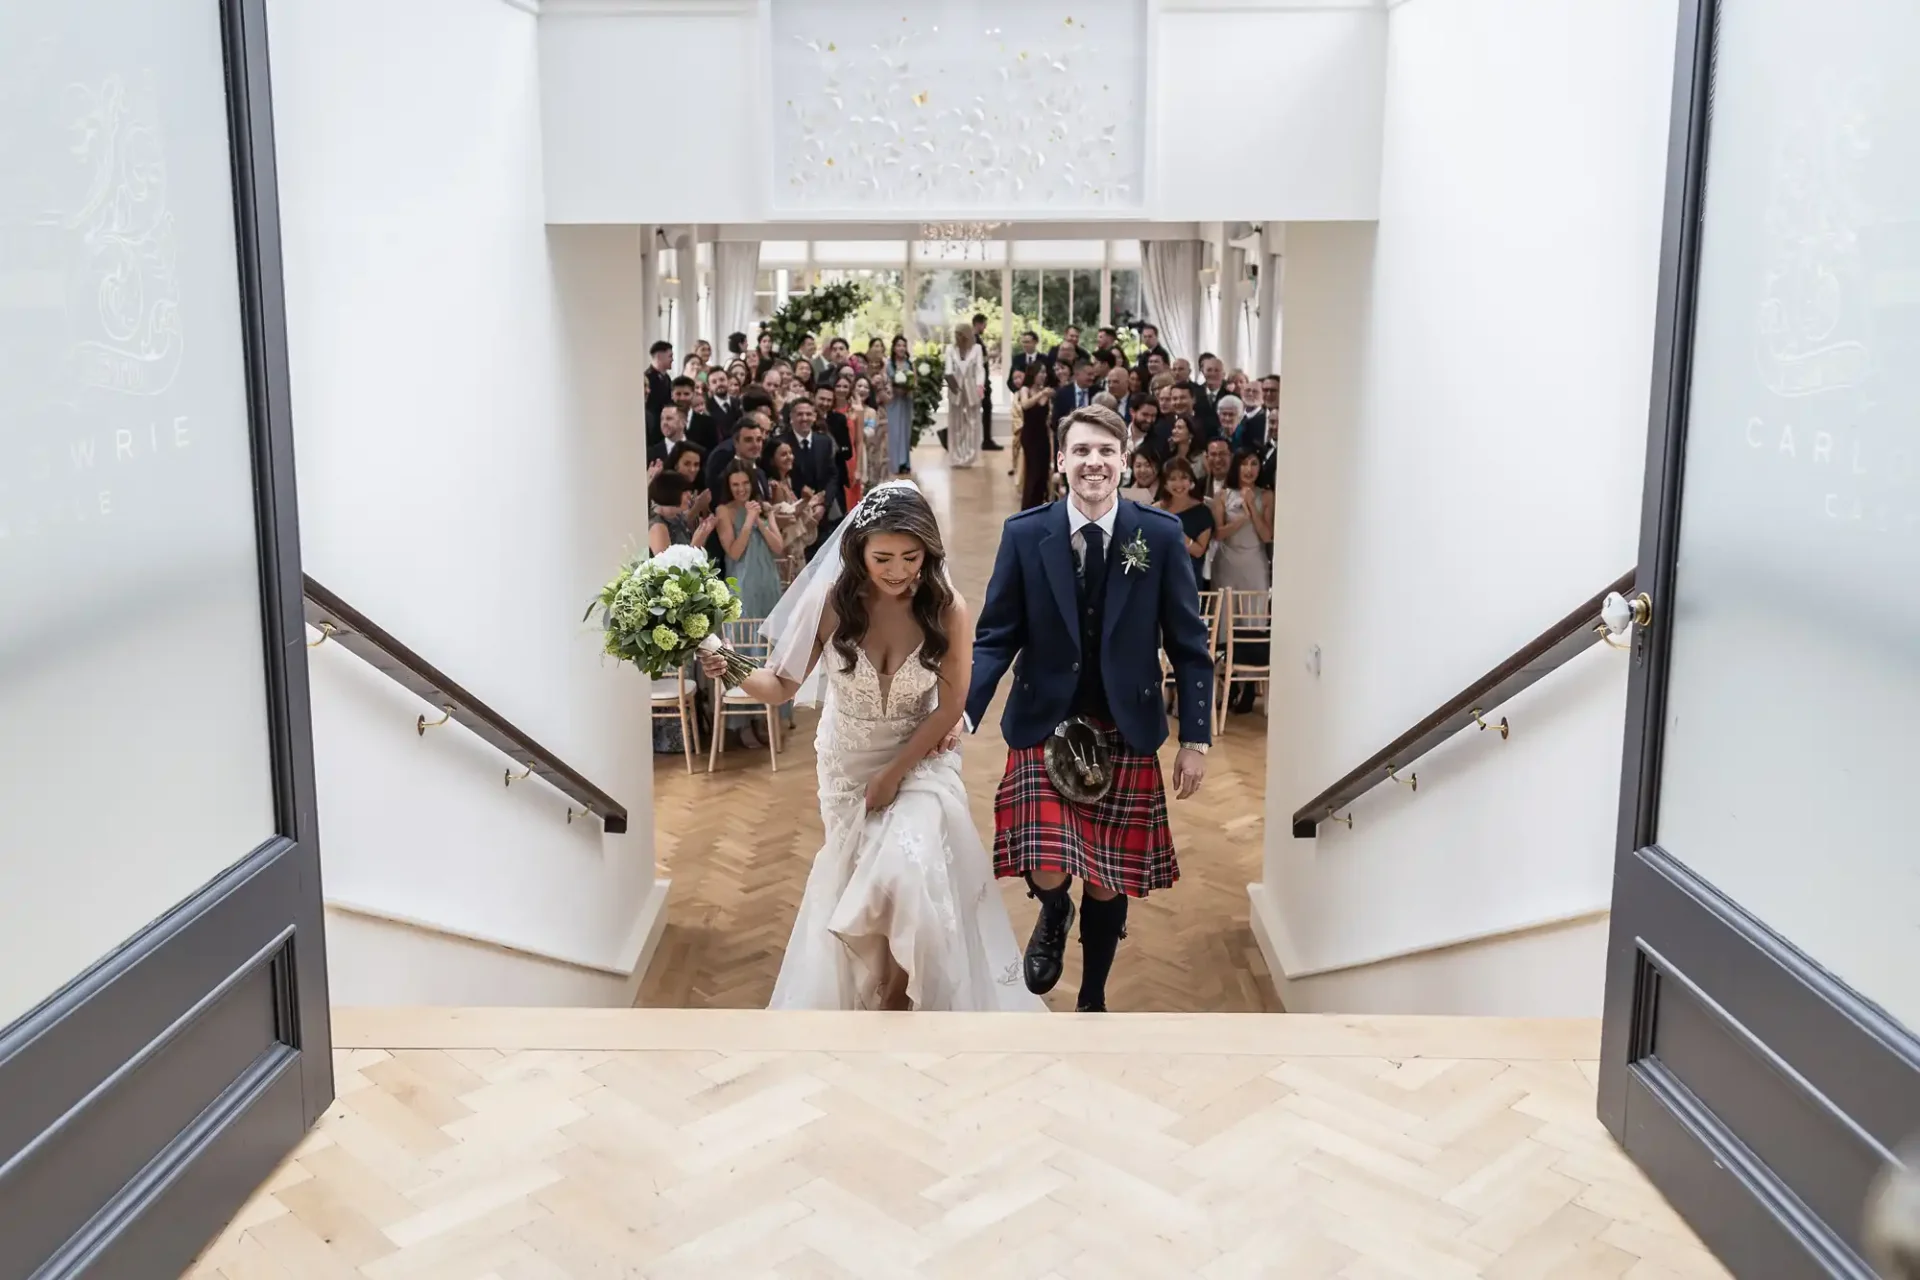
<point>949,743</point>
<point>713,663</point>
<point>882,790</point>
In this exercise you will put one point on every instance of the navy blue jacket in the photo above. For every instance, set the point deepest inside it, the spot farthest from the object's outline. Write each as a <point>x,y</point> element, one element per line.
<point>1028,621</point>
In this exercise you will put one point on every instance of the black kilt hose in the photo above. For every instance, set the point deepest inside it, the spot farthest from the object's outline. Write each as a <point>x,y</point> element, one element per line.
<point>1121,842</point>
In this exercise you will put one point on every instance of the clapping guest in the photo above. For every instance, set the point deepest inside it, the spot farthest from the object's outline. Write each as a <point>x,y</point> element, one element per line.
<point>679,516</point>
<point>1196,518</point>
<point>798,517</point>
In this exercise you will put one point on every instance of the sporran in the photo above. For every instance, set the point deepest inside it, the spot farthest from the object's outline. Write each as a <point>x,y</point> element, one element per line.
<point>1079,761</point>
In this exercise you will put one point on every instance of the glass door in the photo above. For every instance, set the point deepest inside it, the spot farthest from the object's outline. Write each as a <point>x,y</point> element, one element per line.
<point>164,1038</point>
<point>1764,971</point>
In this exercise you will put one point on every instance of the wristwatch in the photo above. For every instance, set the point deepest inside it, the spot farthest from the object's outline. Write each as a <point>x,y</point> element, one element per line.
<point>1201,747</point>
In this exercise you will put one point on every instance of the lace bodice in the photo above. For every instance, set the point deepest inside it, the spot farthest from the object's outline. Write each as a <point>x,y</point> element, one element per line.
<point>862,694</point>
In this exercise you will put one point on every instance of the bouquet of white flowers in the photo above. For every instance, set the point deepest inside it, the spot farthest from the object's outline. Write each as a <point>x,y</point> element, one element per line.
<point>659,612</point>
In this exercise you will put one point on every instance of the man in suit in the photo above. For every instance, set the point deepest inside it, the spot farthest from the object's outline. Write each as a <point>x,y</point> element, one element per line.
<point>722,406</point>
<point>1086,592</point>
<point>987,442</point>
<point>659,384</point>
<point>1024,359</point>
<point>1078,393</point>
<point>1150,346</point>
<point>749,441</point>
<point>699,426</point>
<point>816,467</point>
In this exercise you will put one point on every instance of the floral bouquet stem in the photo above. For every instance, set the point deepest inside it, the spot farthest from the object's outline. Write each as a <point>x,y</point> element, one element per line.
<point>738,667</point>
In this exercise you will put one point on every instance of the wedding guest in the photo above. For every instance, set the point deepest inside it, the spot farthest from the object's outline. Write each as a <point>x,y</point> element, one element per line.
<point>751,538</point>
<point>901,378</point>
<point>1145,488</point>
<point>798,518</point>
<point>679,516</point>
<point>1196,518</point>
<point>1243,528</point>
<point>966,379</point>
<point>1033,407</point>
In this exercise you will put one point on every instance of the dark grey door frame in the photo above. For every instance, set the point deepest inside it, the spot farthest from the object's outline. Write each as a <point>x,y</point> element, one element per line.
<point>145,1100</point>
<point>1760,1094</point>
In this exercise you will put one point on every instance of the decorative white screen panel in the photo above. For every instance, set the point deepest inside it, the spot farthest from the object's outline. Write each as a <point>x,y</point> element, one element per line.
<point>967,107</point>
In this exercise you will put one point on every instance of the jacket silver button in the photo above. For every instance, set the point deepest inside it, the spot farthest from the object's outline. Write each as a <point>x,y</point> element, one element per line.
<point>1076,666</point>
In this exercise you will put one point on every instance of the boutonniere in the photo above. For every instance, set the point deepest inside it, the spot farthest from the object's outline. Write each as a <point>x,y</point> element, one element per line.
<point>1133,556</point>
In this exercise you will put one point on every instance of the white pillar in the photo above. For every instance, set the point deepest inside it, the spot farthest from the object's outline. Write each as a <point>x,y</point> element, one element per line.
<point>1106,283</point>
<point>1264,361</point>
<point>1006,307</point>
<point>686,262</point>
<point>649,286</point>
<point>1233,271</point>
<point>909,287</point>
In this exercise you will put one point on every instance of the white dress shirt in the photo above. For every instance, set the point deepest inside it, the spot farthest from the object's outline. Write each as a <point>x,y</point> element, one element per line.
<point>1076,521</point>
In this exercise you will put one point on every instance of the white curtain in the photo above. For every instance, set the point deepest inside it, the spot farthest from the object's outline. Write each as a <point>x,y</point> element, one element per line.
<point>1169,272</point>
<point>736,271</point>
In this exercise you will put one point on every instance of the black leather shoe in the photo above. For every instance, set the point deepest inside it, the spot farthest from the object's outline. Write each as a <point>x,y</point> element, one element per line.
<point>1047,948</point>
<point>1091,1008</point>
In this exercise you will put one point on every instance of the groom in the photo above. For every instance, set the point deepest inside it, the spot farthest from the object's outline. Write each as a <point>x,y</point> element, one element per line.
<point>1085,594</point>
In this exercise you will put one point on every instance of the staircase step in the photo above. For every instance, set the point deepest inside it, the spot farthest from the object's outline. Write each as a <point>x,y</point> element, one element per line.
<point>760,1030</point>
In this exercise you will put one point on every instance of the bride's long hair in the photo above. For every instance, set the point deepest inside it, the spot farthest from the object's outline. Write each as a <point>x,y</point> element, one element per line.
<point>895,509</point>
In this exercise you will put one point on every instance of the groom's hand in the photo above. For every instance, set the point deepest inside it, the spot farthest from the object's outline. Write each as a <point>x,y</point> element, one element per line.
<point>1189,769</point>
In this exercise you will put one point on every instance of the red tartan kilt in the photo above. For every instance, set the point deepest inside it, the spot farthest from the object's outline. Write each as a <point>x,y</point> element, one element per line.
<point>1121,842</point>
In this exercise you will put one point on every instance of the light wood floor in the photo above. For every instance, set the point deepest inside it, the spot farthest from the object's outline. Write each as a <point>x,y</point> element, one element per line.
<point>737,843</point>
<point>567,1145</point>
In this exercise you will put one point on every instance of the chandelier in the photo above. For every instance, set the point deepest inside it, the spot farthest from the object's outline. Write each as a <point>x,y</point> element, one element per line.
<point>959,237</point>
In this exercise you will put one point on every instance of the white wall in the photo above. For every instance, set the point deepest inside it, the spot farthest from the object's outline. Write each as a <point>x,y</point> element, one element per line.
<point>1461,442</point>
<point>1260,109</point>
<point>653,113</point>
<point>467,402</point>
<point>1267,109</point>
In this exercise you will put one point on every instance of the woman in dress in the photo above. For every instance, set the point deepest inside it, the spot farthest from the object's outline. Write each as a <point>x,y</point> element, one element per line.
<point>880,465</point>
<point>752,542</point>
<point>1033,407</point>
<point>679,516</point>
<point>1178,482</point>
<point>900,377</point>
<point>966,379</point>
<point>797,520</point>
<point>867,423</point>
<point>900,910</point>
<point>1243,526</point>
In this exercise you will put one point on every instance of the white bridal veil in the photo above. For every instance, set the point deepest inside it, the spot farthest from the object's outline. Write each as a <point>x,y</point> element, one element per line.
<point>794,623</point>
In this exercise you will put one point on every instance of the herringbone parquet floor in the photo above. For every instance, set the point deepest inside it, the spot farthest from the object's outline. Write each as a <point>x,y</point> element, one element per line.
<point>715,1145</point>
<point>737,843</point>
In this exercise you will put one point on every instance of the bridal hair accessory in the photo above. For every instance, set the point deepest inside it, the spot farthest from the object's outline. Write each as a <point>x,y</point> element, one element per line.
<point>793,625</point>
<point>872,506</point>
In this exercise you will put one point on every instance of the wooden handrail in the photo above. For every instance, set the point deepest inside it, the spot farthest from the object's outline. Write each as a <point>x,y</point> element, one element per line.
<point>341,623</point>
<point>1547,653</point>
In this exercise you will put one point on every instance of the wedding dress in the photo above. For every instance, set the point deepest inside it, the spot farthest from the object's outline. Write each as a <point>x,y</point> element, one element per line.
<point>911,882</point>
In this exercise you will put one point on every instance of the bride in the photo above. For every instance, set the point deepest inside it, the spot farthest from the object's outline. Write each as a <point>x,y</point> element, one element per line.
<point>900,909</point>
